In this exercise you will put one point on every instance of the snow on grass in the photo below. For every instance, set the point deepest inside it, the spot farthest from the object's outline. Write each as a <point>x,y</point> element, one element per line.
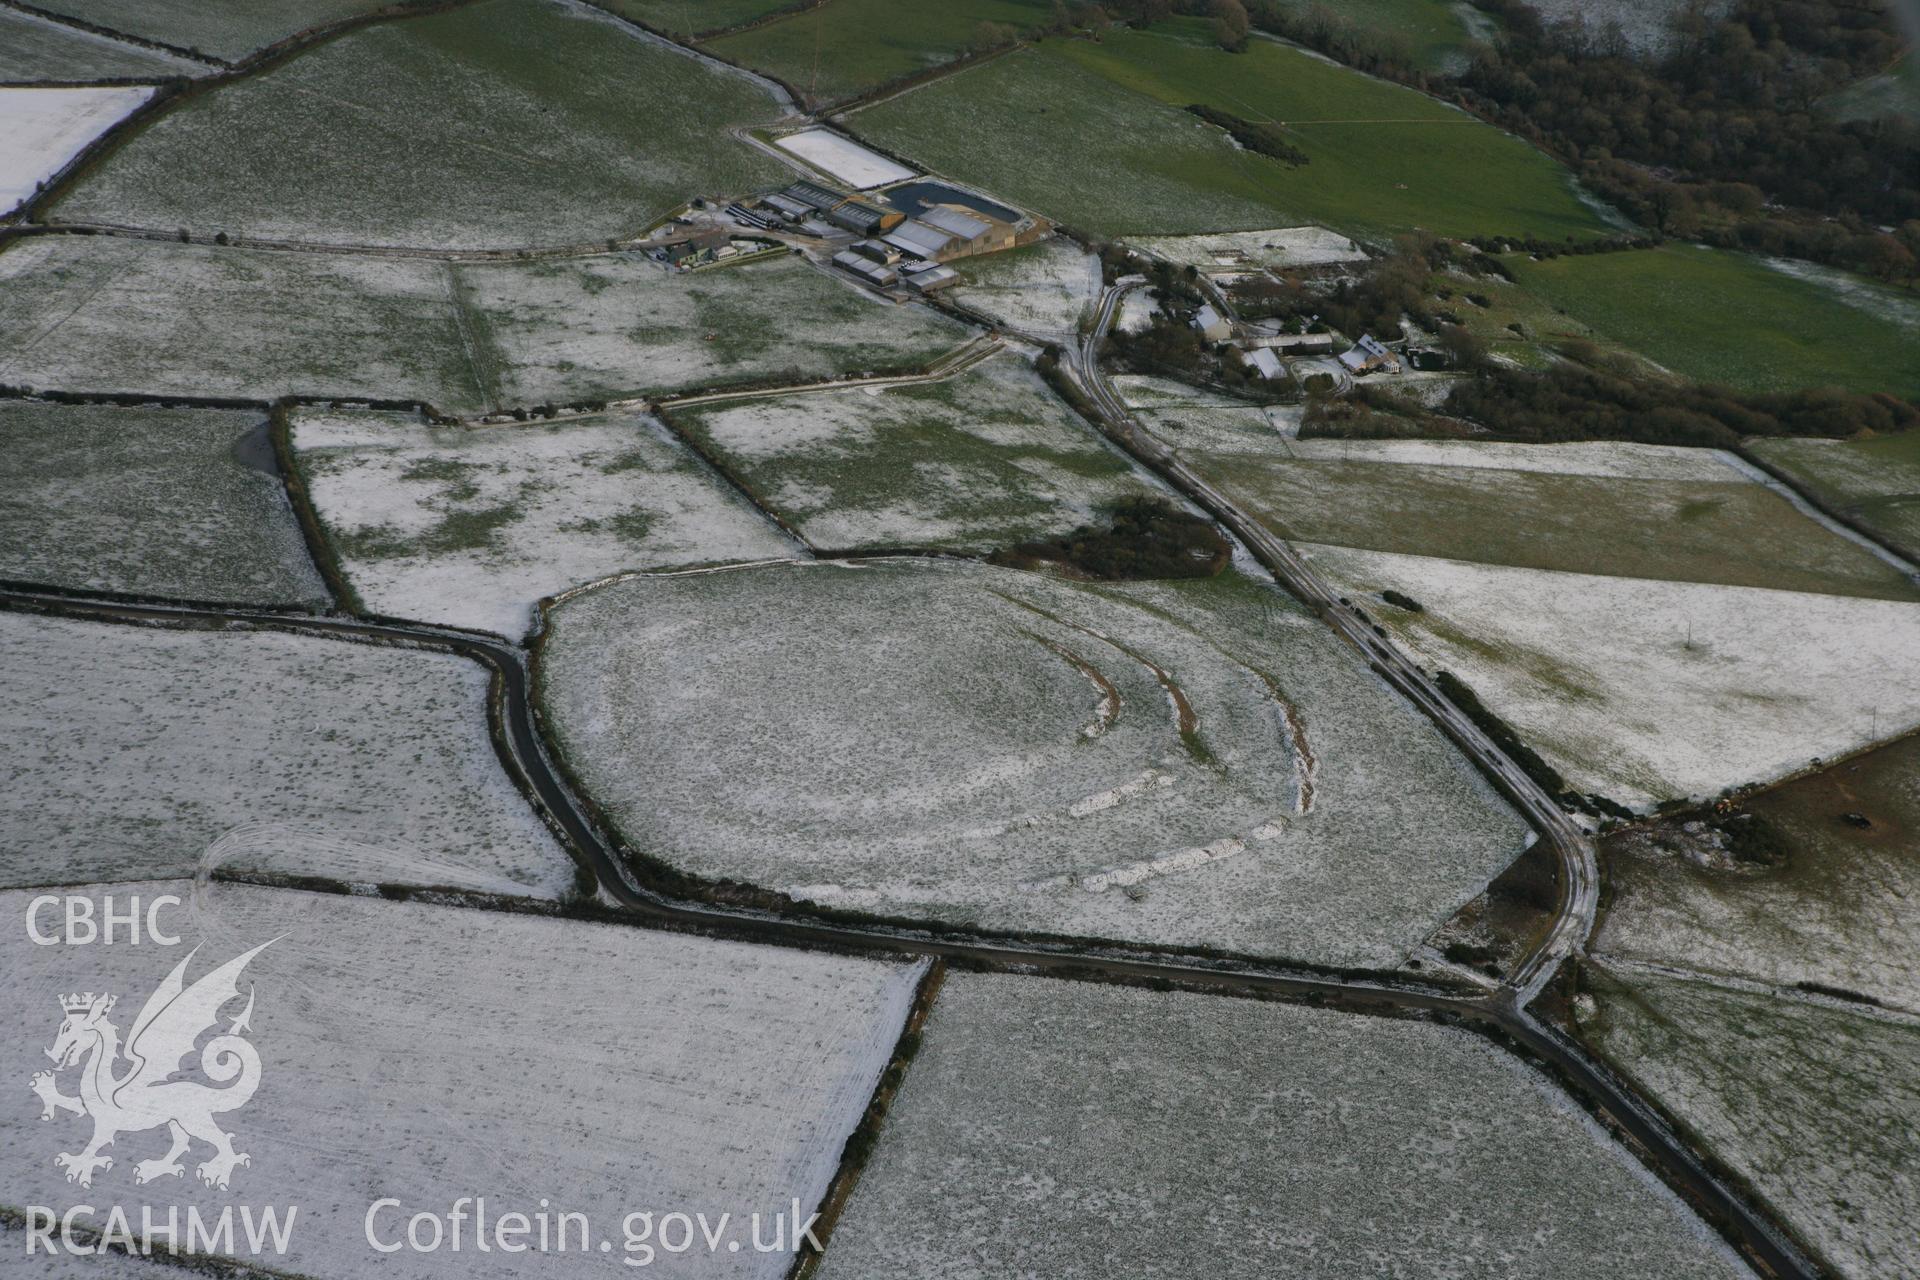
<point>471,526</point>
<point>184,503</point>
<point>615,326</point>
<point>99,313</point>
<point>842,158</point>
<point>506,124</point>
<point>981,461</point>
<point>1811,1101</point>
<point>35,48</point>
<point>1645,690</point>
<point>1646,25</point>
<point>1717,525</point>
<point>1282,247</point>
<point>1605,459</point>
<point>127,751</point>
<point>1886,305</point>
<point>231,29</point>
<point>1074,1131</point>
<point>1046,289</point>
<point>911,738</point>
<point>1836,912</point>
<point>429,1053</point>
<point>1875,481</point>
<point>42,129</point>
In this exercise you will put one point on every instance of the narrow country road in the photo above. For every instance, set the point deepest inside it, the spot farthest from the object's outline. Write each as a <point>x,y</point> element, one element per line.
<point>1500,1015</point>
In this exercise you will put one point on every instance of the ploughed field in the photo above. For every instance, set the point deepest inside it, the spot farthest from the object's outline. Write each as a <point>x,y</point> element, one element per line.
<point>1192,764</point>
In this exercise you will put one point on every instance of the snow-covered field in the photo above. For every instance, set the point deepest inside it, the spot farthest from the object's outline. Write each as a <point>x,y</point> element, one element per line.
<point>110,314</point>
<point>983,460</point>
<point>1045,289</point>
<point>100,313</point>
<point>127,751</point>
<point>148,501</point>
<point>1194,764</point>
<point>505,124</point>
<point>35,48</point>
<point>841,157</point>
<point>1853,929</point>
<point>231,29</point>
<point>1189,419</point>
<point>1604,459</point>
<point>1235,251</point>
<point>1811,1100</point>
<point>1077,1132</point>
<point>1645,690</point>
<point>609,327</point>
<point>424,1054</point>
<point>42,129</point>
<point>471,526</point>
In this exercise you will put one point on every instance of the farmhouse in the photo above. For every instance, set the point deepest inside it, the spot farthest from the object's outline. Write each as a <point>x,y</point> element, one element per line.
<point>1212,325</point>
<point>1263,362</point>
<point>1368,355</point>
<point>1294,344</point>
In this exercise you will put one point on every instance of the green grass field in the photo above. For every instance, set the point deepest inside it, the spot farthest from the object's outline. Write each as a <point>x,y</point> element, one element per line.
<point>1875,481</point>
<point>691,17</point>
<point>1729,318</point>
<point>1383,158</point>
<point>843,47</point>
<point>505,124</point>
<point>1435,31</point>
<point>1055,125</point>
<point>1731,532</point>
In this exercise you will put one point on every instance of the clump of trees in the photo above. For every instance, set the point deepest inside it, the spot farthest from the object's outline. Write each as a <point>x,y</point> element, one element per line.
<point>1259,138</point>
<point>1145,538</point>
<point>1714,136</point>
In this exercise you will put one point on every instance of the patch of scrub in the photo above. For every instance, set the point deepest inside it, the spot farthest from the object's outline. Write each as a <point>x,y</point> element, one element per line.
<point>423,1054</point>
<point>128,751</point>
<point>942,739</point>
<point>505,124</point>
<point>1046,289</point>
<point>105,313</point>
<point>606,328</point>
<point>1810,1100</point>
<point>37,48</point>
<point>1644,690</point>
<point>984,460</point>
<point>1075,1130</point>
<point>1645,25</point>
<point>471,526</point>
<point>185,503</point>
<point>42,129</point>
